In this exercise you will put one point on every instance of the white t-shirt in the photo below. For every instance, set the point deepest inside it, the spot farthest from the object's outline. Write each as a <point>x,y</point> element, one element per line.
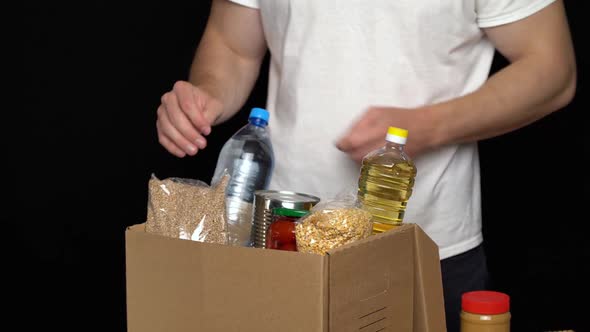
<point>332,59</point>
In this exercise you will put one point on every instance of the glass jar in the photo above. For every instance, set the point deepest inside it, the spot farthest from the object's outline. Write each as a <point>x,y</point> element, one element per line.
<point>485,311</point>
<point>281,232</point>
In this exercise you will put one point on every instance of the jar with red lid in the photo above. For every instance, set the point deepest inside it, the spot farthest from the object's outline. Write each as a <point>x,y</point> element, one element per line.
<point>485,311</point>
<point>281,232</point>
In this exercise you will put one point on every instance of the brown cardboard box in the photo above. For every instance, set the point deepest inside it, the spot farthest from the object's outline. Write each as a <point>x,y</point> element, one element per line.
<point>388,282</point>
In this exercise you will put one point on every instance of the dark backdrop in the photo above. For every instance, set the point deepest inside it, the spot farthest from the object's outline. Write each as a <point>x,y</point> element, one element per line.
<point>86,145</point>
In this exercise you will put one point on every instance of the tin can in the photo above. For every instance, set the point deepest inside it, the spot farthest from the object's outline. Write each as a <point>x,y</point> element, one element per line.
<point>264,203</point>
<point>281,232</point>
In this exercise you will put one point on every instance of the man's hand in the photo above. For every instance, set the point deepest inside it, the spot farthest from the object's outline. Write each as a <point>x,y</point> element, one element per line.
<point>185,117</point>
<point>223,72</point>
<point>369,132</point>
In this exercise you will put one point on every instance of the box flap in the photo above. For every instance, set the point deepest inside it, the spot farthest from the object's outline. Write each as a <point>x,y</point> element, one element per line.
<point>181,285</point>
<point>429,308</point>
<point>372,283</point>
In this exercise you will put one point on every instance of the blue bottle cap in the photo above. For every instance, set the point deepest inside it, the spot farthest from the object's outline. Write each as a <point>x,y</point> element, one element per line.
<point>259,113</point>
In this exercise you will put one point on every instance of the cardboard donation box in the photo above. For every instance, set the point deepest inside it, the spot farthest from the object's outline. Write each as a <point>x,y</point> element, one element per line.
<point>387,282</point>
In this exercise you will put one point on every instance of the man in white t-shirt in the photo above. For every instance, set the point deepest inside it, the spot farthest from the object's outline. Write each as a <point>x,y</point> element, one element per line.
<point>342,71</point>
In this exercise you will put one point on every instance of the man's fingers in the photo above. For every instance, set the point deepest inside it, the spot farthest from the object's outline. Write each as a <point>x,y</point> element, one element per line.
<point>190,104</point>
<point>359,137</point>
<point>166,128</point>
<point>350,140</point>
<point>168,144</point>
<point>344,144</point>
<point>180,121</point>
<point>361,131</point>
<point>361,151</point>
<point>201,120</point>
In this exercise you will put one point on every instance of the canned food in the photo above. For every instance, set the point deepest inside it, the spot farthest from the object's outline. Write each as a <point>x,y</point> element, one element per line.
<point>281,232</point>
<point>264,203</point>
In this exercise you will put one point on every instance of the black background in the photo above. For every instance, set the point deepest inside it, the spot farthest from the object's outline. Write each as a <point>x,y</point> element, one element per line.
<point>83,145</point>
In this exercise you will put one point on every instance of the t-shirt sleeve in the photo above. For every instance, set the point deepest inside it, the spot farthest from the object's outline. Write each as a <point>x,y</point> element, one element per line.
<point>492,13</point>
<point>247,3</point>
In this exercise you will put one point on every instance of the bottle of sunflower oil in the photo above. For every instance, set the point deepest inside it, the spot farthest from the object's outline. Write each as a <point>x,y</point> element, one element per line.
<point>386,181</point>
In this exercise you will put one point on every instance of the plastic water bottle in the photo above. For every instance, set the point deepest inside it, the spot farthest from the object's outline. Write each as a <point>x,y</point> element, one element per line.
<point>249,160</point>
<point>386,181</point>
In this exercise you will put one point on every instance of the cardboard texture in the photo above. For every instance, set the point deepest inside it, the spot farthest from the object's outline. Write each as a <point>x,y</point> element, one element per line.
<point>388,282</point>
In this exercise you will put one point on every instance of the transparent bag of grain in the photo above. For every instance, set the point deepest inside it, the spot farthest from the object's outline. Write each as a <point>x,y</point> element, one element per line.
<point>187,209</point>
<point>331,224</point>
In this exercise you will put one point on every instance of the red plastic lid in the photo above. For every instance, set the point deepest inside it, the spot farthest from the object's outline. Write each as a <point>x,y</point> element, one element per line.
<point>485,302</point>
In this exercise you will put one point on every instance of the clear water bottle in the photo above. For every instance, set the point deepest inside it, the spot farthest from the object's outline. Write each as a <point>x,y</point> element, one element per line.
<point>249,160</point>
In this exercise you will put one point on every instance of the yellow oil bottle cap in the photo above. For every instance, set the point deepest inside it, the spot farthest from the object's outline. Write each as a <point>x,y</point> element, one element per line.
<point>397,135</point>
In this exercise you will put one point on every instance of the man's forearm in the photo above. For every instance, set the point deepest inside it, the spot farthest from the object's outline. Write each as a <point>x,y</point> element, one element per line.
<point>540,79</point>
<point>225,75</point>
<point>520,94</point>
<point>228,59</point>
